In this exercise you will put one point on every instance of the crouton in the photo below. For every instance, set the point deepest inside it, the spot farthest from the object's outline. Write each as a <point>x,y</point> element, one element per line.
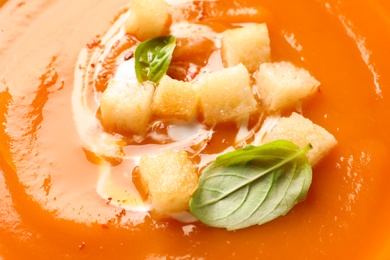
<point>282,85</point>
<point>148,19</point>
<point>175,99</point>
<point>126,107</point>
<point>248,45</point>
<point>301,131</point>
<point>226,95</point>
<point>170,180</point>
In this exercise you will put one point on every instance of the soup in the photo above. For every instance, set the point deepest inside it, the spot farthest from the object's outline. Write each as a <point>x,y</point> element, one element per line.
<point>50,207</point>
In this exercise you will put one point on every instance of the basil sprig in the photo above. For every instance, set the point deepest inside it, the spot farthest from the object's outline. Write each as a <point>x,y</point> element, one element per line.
<point>252,185</point>
<point>152,58</point>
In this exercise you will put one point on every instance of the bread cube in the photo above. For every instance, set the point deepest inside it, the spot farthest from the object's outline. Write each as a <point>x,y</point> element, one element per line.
<point>170,180</point>
<point>175,99</point>
<point>148,19</point>
<point>225,95</point>
<point>301,131</point>
<point>282,85</point>
<point>247,45</point>
<point>126,107</point>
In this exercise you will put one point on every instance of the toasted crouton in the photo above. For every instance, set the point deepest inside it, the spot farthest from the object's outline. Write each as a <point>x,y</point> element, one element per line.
<point>301,131</point>
<point>175,99</point>
<point>148,19</point>
<point>248,45</point>
<point>170,180</point>
<point>125,107</point>
<point>226,95</point>
<point>282,85</point>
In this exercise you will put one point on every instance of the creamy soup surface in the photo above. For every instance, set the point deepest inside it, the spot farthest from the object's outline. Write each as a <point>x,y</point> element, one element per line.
<point>51,204</point>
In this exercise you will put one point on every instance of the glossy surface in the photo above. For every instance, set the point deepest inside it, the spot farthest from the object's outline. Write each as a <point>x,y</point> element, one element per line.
<point>49,207</point>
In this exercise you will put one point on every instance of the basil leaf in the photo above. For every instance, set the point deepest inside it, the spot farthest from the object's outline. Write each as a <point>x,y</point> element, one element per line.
<point>252,185</point>
<point>152,58</point>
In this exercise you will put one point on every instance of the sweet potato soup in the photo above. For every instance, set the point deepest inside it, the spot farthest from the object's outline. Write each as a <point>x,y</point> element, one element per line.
<point>58,200</point>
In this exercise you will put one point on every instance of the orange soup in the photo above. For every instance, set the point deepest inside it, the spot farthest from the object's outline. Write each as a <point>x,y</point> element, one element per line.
<point>50,206</point>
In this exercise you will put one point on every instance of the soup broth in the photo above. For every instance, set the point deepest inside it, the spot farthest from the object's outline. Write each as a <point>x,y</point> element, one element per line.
<point>50,207</point>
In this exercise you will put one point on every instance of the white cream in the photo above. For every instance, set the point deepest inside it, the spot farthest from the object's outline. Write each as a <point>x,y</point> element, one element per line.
<point>126,71</point>
<point>134,151</point>
<point>243,131</point>
<point>268,124</point>
<point>183,130</point>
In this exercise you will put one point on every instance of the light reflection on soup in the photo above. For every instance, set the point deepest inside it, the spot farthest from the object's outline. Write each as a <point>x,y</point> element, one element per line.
<point>49,205</point>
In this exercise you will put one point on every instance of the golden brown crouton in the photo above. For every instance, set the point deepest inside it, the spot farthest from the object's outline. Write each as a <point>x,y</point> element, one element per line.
<point>301,131</point>
<point>281,85</point>
<point>175,99</point>
<point>226,95</point>
<point>148,19</point>
<point>170,180</point>
<point>248,45</point>
<point>126,107</point>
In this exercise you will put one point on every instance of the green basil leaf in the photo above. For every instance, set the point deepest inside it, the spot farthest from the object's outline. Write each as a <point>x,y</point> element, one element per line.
<point>252,185</point>
<point>152,58</point>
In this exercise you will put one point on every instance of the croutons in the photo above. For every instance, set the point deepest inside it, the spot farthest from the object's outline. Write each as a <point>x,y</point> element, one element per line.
<point>170,180</point>
<point>282,85</point>
<point>248,45</point>
<point>148,19</point>
<point>126,107</point>
<point>175,99</point>
<point>301,131</point>
<point>225,95</point>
